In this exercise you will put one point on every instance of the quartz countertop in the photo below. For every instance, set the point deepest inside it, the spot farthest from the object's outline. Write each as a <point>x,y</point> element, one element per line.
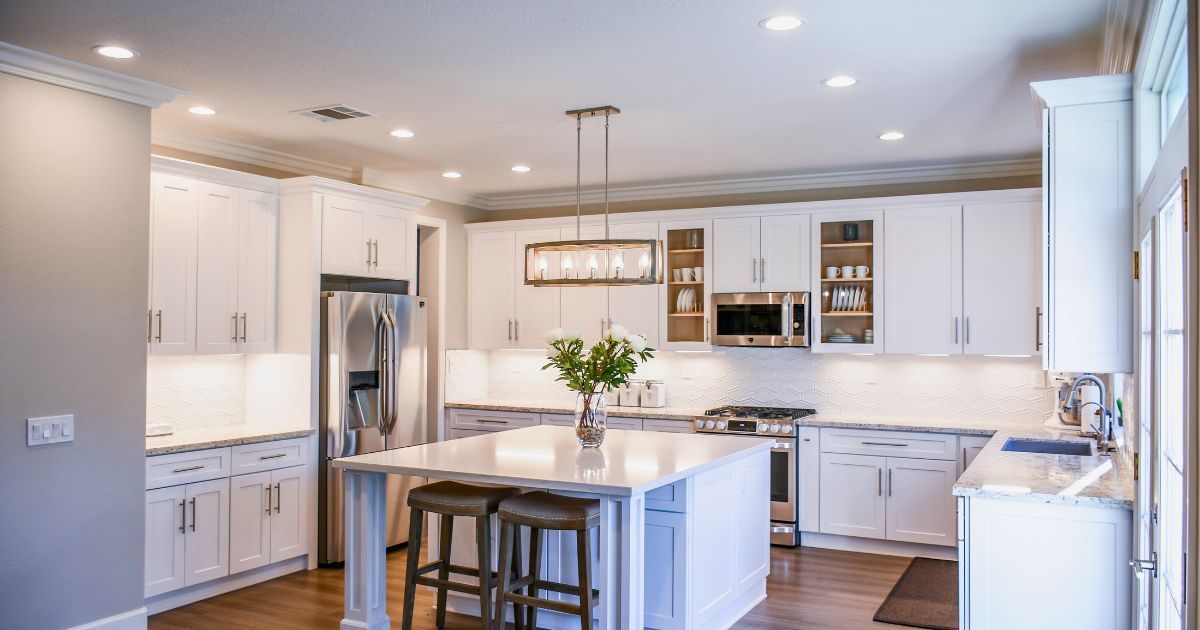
<point>215,437</point>
<point>547,456</point>
<point>500,404</point>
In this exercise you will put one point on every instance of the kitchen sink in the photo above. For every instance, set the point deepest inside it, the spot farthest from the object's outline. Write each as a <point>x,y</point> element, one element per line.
<point>1049,447</point>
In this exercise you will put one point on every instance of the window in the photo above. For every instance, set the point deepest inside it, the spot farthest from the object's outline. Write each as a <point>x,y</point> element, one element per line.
<point>1174,91</point>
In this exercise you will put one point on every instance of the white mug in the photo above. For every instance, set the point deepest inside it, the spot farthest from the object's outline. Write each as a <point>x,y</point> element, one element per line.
<point>677,274</point>
<point>862,271</point>
<point>697,273</point>
<point>686,272</point>
<point>847,271</point>
<point>832,272</point>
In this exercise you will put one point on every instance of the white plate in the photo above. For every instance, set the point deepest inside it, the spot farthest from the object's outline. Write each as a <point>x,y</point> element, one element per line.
<point>679,302</point>
<point>691,300</point>
<point>857,299</point>
<point>686,299</point>
<point>841,299</point>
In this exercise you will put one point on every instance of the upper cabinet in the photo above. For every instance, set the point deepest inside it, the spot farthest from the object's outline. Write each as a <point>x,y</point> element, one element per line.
<point>636,307</point>
<point>1087,224</point>
<point>368,239</point>
<point>753,254</point>
<point>504,312</point>
<point>847,253</point>
<point>171,314</point>
<point>923,257</point>
<point>1001,300</point>
<point>687,284</point>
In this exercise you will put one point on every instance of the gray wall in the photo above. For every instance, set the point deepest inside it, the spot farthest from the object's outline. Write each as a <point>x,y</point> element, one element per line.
<point>74,230</point>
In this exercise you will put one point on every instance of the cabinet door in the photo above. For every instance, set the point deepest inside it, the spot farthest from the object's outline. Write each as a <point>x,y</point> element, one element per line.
<point>969,448</point>
<point>785,255</point>
<point>852,501</point>
<point>920,501</point>
<point>257,270</point>
<point>666,569</point>
<point>535,308</point>
<point>217,269</point>
<point>923,294</point>
<point>735,255</point>
<point>250,501</point>
<point>395,234</point>
<point>207,552</point>
<point>288,521</point>
<point>686,245</point>
<point>585,309</point>
<point>1001,278</point>
<point>635,307</point>
<point>490,289</point>
<point>345,248</point>
<point>854,239</point>
<point>808,467</point>
<point>164,540</point>
<point>174,206</point>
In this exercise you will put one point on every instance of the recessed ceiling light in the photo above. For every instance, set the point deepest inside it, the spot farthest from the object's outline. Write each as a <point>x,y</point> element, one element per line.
<point>520,168</point>
<point>202,110</point>
<point>891,135</point>
<point>452,175</point>
<point>402,133</point>
<point>115,52</point>
<point>840,81</point>
<point>782,23</point>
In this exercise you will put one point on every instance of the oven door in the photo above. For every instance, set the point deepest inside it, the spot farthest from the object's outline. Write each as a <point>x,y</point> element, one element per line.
<point>783,481</point>
<point>760,319</point>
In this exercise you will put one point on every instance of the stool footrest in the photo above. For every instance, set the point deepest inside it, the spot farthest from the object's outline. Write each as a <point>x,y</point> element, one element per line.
<point>549,604</point>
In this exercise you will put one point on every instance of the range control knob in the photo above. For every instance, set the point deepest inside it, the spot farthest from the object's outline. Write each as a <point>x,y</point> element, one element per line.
<point>699,424</point>
<point>774,428</point>
<point>787,428</point>
<point>709,424</point>
<point>762,427</point>
<point>721,424</point>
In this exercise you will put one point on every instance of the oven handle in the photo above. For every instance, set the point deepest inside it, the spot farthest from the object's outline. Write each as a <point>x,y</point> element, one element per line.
<point>781,446</point>
<point>783,529</point>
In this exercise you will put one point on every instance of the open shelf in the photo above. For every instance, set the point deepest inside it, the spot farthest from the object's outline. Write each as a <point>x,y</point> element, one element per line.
<point>838,252</point>
<point>686,251</point>
<point>689,314</point>
<point>848,314</point>
<point>847,279</point>
<point>685,282</point>
<point>685,248</point>
<point>844,245</point>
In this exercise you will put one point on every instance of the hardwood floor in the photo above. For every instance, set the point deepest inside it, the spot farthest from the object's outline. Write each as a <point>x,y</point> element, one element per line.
<point>808,588</point>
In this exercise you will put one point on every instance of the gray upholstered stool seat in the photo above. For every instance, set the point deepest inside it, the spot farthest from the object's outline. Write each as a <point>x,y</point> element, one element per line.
<point>551,511</point>
<point>459,499</point>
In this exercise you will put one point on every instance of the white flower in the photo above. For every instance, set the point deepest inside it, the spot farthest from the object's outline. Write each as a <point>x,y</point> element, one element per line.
<point>637,342</point>
<point>573,334</point>
<point>618,332</point>
<point>552,335</point>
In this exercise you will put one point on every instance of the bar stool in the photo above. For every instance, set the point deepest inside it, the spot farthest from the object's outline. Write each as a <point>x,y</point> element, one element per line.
<point>539,511</point>
<point>449,499</point>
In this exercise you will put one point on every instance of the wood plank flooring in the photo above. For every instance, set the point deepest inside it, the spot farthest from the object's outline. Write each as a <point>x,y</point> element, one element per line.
<point>808,588</point>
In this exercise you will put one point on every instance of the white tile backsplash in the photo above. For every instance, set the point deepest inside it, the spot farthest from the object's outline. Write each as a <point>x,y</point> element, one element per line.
<point>870,386</point>
<point>192,392</point>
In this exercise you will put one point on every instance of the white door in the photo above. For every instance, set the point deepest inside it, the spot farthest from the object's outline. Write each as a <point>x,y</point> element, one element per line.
<point>920,501</point>
<point>1145,497</point>
<point>1001,278</point>
<point>536,309</point>
<point>259,236</point>
<point>345,242</point>
<point>250,504</point>
<point>207,549</point>
<point>289,518</point>
<point>736,264</point>
<point>786,254</point>
<point>164,540</point>
<point>172,310</point>
<point>852,501</point>
<point>585,309</point>
<point>923,294</point>
<point>395,235</point>
<point>490,289</point>
<point>217,269</point>
<point>635,307</point>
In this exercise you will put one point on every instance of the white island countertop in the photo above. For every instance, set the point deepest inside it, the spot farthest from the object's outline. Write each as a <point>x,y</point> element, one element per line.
<point>628,463</point>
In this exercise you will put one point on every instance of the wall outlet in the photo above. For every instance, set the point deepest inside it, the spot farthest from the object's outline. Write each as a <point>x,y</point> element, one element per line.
<point>49,430</point>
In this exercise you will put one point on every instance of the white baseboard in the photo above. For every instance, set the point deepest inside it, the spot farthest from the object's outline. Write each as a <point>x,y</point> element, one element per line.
<point>188,595</point>
<point>129,620</point>
<point>873,545</point>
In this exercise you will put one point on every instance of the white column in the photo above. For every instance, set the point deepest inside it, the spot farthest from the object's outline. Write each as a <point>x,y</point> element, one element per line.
<point>622,562</point>
<point>366,552</point>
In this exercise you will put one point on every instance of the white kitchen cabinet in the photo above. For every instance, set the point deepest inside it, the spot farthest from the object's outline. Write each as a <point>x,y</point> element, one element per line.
<point>171,314</point>
<point>923,249</point>
<point>584,309</point>
<point>635,307</point>
<point>666,426</point>
<point>206,552</point>
<point>761,254</point>
<point>686,245</point>
<point>1001,300</point>
<point>395,234</point>
<point>535,309</point>
<point>289,524</point>
<point>250,521</point>
<point>735,255</point>
<point>852,501</point>
<point>834,311</point>
<point>969,448</point>
<point>367,239</point>
<point>808,467</point>
<point>490,421</point>
<point>666,596</point>
<point>1087,325</point>
<point>258,244</point>
<point>165,539</point>
<point>920,503</point>
<point>492,283</point>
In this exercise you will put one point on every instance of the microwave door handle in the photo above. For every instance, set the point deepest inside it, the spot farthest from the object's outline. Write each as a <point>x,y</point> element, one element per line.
<point>787,318</point>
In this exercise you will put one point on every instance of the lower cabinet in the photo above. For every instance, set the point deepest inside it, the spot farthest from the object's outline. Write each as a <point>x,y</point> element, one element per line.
<point>187,535</point>
<point>852,501</point>
<point>267,518</point>
<point>666,566</point>
<point>969,448</point>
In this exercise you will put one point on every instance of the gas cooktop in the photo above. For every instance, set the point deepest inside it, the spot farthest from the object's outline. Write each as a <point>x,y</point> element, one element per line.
<point>759,413</point>
<point>764,421</point>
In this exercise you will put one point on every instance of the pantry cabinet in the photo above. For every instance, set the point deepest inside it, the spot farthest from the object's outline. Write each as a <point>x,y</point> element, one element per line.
<point>752,254</point>
<point>923,249</point>
<point>368,239</point>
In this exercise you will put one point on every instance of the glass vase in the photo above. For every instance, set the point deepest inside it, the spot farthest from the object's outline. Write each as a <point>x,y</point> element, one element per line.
<point>591,418</point>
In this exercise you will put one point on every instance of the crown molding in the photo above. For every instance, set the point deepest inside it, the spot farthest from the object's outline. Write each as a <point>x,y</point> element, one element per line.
<point>212,174</point>
<point>771,183</point>
<point>312,184</point>
<point>40,66</point>
<point>246,153</point>
<point>1122,31</point>
<point>392,181</point>
<point>1105,88</point>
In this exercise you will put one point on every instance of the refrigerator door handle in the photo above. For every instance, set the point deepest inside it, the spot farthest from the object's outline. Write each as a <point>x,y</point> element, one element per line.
<point>382,349</point>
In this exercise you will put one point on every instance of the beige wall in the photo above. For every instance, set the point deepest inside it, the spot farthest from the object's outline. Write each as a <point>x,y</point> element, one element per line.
<point>74,234</point>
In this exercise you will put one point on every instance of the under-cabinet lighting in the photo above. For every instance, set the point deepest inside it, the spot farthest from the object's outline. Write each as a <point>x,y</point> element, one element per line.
<point>863,354</point>
<point>694,351</point>
<point>520,168</point>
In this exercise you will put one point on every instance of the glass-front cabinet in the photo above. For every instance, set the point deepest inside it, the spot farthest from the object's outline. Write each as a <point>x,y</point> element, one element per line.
<point>687,247</point>
<point>847,281</point>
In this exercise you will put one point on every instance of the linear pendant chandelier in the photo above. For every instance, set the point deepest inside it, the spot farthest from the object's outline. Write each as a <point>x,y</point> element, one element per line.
<point>606,262</point>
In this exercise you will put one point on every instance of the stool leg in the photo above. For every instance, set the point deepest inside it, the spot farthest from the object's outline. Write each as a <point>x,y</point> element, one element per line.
<point>535,562</point>
<point>585,579</point>
<point>447,534</point>
<point>518,609</point>
<point>502,568</point>
<point>483,542</point>
<point>414,561</point>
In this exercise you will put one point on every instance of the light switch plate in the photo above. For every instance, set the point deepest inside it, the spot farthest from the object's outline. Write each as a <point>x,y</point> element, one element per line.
<point>49,430</point>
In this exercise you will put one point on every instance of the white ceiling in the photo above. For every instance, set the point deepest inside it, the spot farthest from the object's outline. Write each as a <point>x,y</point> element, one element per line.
<point>706,92</point>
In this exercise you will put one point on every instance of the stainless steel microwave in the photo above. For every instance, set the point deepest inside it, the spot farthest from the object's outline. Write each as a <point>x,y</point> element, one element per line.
<point>760,319</point>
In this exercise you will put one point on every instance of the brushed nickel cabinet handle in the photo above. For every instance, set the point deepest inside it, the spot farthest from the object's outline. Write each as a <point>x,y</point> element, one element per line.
<point>149,325</point>
<point>487,421</point>
<point>753,270</point>
<point>243,328</point>
<point>158,316</point>
<point>1037,328</point>
<point>889,482</point>
<point>273,456</point>
<point>762,269</point>
<point>967,330</point>
<point>368,252</point>
<point>706,329</point>
<point>268,498</point>
<point>881,444</point>
<point>955,331</point>
<point>879,483</point>
<point>517,329</point>
<point>193,513</point>
<point>235,327</point>
<point>510,330</point>
<point>278,497</point>
<point>188,469</point>
<point>376,245</point>
<point>182,517</point>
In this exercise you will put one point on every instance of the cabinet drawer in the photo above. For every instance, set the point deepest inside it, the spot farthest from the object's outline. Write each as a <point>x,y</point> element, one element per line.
<point>668,498</point>
<point>249,458</point>
<point>667,426</point>
<point>889,443</point>
<point>614,422</point>
<point>491,420</point>
<point>180,468</point>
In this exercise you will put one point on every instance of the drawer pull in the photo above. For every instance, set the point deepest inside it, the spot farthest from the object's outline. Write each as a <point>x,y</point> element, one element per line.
<point>189,469</point>
<point>274,456</point>
<point>486,421</point>
<point>882,444</point>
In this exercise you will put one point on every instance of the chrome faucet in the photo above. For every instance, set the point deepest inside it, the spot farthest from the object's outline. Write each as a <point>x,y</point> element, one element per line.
<point>1104,432</point>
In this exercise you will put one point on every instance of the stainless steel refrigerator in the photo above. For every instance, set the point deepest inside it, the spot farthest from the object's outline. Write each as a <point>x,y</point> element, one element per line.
<point>373,362</point>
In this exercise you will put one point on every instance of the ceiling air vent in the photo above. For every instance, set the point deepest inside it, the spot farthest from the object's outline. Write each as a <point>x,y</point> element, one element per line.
<point>331,113</point>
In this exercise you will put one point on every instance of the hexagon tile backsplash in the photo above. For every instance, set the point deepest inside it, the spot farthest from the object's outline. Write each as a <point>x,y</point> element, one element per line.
<point>192,392</point>
<point>872,386</point>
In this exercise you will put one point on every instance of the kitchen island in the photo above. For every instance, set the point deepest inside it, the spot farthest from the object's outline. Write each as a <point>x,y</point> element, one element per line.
<point>684,527</point>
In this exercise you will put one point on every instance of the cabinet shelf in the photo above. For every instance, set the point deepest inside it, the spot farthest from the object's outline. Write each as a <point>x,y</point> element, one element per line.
<point>685,314</point>
<point>686,251</point>
<point>848,314</point>
<point>685,282</point>
<point>847,279</point>
<point>845,245</point>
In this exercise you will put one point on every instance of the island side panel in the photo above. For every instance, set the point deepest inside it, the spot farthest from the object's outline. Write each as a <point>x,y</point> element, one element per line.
<point>622,562</point>
<point>366,552</point>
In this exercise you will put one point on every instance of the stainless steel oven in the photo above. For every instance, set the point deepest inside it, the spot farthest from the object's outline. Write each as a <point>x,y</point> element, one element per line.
<point>760,319</point>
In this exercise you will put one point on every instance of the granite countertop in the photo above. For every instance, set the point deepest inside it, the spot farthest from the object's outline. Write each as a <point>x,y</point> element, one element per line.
<point>216,437</point>
<point>499,404</point>
<point>960,426</point>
